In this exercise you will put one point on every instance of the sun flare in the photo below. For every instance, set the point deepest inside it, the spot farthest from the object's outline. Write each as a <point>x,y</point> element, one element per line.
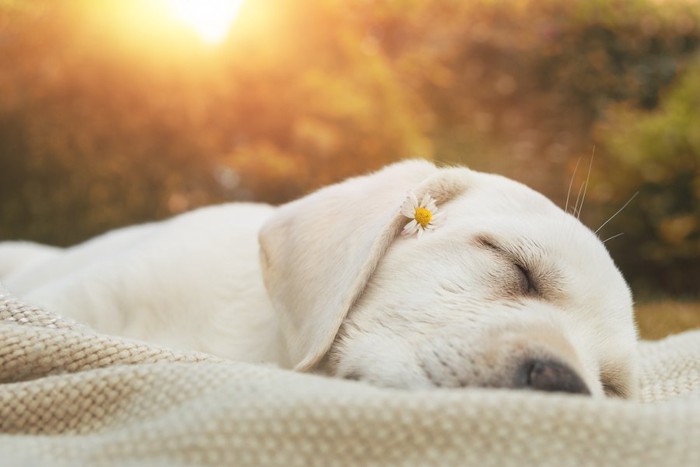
<point>210,19</point>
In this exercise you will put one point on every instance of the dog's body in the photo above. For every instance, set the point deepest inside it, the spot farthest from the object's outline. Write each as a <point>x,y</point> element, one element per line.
<point>507,291</point>
<point>191,282</point>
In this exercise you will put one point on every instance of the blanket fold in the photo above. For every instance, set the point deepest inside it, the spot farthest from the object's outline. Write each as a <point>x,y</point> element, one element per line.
<point>71,396</point>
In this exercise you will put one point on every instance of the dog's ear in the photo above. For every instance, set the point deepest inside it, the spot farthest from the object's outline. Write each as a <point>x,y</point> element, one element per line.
<point>318,252</point>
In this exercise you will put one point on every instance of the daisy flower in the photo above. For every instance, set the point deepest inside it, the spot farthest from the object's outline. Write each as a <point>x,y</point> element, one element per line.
<point>423,215</point>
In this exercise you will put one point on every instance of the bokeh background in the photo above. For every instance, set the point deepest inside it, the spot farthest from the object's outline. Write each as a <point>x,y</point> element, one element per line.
<point>114,112</point>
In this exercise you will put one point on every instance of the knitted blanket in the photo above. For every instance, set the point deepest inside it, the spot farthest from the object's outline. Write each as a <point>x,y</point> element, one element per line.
<point>70,396</point>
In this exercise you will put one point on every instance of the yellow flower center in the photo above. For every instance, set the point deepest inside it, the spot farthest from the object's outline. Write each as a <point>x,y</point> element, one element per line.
<point>423,216</point>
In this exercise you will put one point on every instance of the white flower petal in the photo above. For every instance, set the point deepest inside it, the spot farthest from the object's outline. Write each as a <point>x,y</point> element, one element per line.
<point>408,211</point>
<point>410,228</point>
<point>408,207</point>
<point>426,199</point>
<point>420,232</point>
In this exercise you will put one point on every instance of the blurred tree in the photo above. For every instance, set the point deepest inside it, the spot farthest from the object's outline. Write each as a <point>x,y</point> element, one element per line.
<point>517,87</point>
<point>104,124</point>
<point>658,154</point>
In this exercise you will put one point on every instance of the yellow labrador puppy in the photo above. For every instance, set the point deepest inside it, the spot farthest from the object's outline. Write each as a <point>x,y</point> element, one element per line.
<point>410,277</point>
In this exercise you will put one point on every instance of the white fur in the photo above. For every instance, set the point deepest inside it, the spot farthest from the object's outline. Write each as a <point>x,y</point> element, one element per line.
<point>18,255</point>
<point>337,290</point>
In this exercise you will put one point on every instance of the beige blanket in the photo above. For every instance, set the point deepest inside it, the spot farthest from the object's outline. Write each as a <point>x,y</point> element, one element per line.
<point>69,396</point>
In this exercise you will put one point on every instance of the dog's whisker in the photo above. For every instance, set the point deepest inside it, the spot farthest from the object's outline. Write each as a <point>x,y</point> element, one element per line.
<point>574,211</point>
<point>585,189</point>
<point>613,237</point>
<point>571,182</point>
<point>617,212</point>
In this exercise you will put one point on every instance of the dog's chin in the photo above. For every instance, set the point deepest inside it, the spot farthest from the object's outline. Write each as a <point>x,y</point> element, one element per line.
<point>521,357</point>
<point>532,374</point>
<point>547,374</point>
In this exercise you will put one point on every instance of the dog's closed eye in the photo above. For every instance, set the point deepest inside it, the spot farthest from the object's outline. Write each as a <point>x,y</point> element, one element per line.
<point>526,283</point>
<point>352,375</point>
<point>519,280</point>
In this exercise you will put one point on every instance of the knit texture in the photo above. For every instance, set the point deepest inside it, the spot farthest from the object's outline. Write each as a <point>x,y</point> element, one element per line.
<point>71,396</point>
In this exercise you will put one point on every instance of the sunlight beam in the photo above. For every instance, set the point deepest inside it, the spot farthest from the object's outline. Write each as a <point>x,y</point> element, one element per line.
<point>210,19</point>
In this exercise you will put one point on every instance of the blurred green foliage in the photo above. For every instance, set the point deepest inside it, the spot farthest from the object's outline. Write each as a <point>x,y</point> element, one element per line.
<point>657,154</point>
<point>110,114</point>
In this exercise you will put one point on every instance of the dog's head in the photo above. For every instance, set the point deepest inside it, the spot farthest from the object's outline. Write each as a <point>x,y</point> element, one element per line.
<point>507,291</point>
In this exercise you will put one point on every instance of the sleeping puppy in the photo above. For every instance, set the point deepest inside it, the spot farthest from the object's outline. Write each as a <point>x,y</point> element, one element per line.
<point>410,277</point>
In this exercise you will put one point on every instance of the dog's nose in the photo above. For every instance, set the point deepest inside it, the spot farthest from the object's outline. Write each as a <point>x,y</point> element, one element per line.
<point>549,375</point>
